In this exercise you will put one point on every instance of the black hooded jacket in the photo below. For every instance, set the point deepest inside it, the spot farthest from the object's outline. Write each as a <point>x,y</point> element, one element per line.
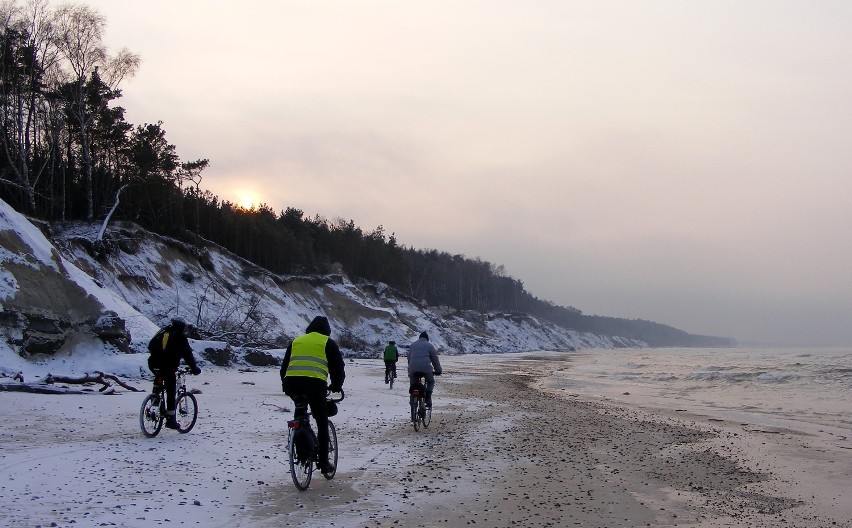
<point>336,366</point>
<point>176,348</point>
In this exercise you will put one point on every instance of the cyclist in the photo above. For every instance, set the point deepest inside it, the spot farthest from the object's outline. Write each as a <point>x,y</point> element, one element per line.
<point>423,357</point>
<point>310,360</point>
<point>391,357</point>
<point>167,348</point>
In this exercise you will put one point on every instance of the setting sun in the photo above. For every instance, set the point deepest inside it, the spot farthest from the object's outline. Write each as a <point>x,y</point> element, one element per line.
<point>248,199</point>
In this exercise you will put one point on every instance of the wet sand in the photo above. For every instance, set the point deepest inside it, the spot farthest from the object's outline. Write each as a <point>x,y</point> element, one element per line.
<point>518,454</point>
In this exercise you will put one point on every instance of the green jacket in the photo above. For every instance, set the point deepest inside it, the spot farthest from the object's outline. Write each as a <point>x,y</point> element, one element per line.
<point>391,354</point>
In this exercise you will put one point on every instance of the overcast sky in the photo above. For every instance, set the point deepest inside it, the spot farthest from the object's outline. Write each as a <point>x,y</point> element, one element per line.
<point>678,161</point>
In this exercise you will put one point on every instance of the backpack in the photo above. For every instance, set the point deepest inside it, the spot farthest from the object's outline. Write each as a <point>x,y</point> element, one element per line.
<point>158,343</point>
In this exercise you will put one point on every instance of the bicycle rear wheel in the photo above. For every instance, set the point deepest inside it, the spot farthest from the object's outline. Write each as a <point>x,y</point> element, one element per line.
<point>301,467</point>
<point>415,415</point>
<point>186,412</point>
<point>150,416</point>
<point>332,450</point>
<point>390,381</point>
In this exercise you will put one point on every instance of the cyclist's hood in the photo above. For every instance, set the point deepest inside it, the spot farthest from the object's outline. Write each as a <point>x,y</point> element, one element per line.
<point>178,325</point>
<point>319,325</point>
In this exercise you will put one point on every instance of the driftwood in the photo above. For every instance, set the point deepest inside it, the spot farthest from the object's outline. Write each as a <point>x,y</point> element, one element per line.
<point>105,380</point>
<point>37,389</point>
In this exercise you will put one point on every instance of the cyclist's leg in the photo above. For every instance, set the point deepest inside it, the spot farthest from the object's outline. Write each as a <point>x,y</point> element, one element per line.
<point>297,389</point>
<point>154,367</point>
<point>170,380</point>
<point>300,406</point>
<point>320,412</point>
<point>430,385</point>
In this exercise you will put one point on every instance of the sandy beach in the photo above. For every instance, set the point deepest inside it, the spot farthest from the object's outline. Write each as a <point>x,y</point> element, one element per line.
<point>503,450</point>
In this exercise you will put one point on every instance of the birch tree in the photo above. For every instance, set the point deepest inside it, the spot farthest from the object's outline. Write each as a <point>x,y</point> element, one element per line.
<point>79,39</point>
<point>27,59</point>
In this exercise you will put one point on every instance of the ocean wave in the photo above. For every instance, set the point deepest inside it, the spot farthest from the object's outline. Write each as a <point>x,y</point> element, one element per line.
<point>635,365</point>
<point>741,376</point>
<point>719,368</point>
<point>775,378</point>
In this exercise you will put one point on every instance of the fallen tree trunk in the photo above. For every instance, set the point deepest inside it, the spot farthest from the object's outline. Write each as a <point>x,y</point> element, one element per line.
<point>120,383</point>
<point>37,389</point>
<point>100,377</point>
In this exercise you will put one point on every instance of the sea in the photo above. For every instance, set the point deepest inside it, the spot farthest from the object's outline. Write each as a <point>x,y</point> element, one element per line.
<point>803,389</point>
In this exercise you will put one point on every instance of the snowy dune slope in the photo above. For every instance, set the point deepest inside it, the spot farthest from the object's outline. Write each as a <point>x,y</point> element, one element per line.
<point>147,279</point>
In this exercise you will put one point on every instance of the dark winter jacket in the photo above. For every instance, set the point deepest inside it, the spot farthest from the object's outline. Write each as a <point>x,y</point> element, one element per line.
<point>335,364</point>
<point>168,347</point>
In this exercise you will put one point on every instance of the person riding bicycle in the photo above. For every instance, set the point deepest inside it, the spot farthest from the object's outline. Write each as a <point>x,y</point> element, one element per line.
<point>168,346</point>
<point>310,360</point>
<point>391,357</point>
<point>423,357</point>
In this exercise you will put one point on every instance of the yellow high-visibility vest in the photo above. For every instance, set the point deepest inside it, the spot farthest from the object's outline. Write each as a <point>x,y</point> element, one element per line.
<point>307,357</point>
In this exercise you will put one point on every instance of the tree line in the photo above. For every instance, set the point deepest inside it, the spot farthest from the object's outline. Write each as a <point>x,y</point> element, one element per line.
<point>68,153</point>
<point>67,150</point>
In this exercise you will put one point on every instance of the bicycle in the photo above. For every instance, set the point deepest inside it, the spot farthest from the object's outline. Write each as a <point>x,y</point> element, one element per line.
<point>153,412</point>
<point>390,376</point>
<point>303,446</point>
<point>421,414</point>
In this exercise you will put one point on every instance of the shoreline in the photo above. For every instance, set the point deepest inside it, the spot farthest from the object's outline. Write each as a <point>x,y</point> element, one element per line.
<point>556,459</point>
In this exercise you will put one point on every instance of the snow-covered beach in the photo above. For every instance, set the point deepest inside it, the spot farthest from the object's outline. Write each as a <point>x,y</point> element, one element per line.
<point>503,449</point>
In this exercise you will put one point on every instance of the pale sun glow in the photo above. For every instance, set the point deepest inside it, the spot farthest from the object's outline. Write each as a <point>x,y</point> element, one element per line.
<point>248,199</point>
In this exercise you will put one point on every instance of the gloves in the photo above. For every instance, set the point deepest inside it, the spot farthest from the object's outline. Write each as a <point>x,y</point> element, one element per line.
<point>335,388</point>
<point>196,371</point>
<point>438,372</point>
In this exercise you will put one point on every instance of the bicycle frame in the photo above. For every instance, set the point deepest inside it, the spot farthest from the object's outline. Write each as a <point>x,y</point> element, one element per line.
<point>390,375</point>
<point>420,414</point>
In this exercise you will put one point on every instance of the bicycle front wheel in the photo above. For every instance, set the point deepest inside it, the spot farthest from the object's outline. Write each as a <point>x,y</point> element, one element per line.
<point>332,449</point>
<point>301,467</point>
<point>426,414</point>
<point>186,412</point>
<point>150,416</point>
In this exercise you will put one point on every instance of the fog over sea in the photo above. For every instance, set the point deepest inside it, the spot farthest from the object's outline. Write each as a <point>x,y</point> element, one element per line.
<point>808,390</point>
